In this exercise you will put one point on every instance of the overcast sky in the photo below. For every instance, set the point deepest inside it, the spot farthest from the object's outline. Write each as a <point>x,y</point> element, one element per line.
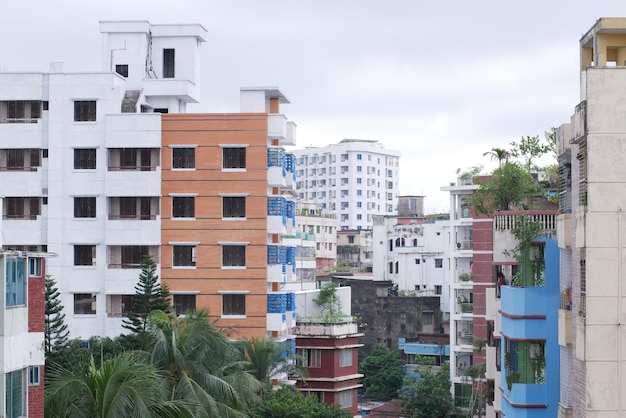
<point>441,81</point>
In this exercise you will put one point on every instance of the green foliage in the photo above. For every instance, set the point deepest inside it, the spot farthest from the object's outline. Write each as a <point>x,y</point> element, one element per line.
<point>113,389</point>
<point>267,359</point>
<point>531,271</point>
<point>429,396</point>
<point>499,154</point>
<point>55,329</point>
<point>509,186</point>
<point>201,365</point>
<point>382,373</point>
<point>287,402</point>
<point>149,296</point>
<point>530,148</point>
<point>77,351</point>
<point>471,172</point>
<point>330,303</point>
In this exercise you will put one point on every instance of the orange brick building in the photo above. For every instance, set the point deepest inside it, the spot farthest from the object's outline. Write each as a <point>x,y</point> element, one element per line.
<point>217,231</point>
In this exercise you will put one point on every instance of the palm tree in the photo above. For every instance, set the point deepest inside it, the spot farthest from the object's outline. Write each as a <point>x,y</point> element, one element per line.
<point>268,359</point>
<point>499,154</point>
<point>122,387</point>
<point>202,366</point>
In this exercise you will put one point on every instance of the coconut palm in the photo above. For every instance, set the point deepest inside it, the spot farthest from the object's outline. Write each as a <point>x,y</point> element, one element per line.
<point>202,366</point>
<point>268,359</point>
<point>499,154</point>
<point>125,386</point>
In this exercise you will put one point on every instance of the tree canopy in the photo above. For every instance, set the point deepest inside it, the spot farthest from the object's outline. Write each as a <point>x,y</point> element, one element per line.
<point>55,329</point>
<point>287,402</point>
<point>382,373</point>
<point>149,296</point>
<point>509,186</point>
<point>429,395</point>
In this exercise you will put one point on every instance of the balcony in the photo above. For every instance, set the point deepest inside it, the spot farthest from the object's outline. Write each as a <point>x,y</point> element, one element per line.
<point>326,329</point>
<point>184,90</point>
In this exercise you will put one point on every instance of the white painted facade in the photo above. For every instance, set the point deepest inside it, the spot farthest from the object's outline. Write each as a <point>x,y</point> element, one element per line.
<point>321,227</point>
<point>60,140</point>
<point>356,179</point>
<point>459,255</point>
<point>415,257</point>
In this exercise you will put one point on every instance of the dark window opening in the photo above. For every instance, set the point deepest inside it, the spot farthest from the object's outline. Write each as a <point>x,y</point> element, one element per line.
<point>184,303</point>
<point>84,110</point>
<point>84,303</point>
<point>84,255</point>
<point>234,304</point>
<point>122,69</point>
<point>234,207</point>
<point>184,255</point>
<point>184,158</point>
<point>84,207</point>
<point>234,158</point>
<point>132,255</point>
<point>183,207</point>
<point>233,256</point>
<point>85,159</point>
<point>168,63</point>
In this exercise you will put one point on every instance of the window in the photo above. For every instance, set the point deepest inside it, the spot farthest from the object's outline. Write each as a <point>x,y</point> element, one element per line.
<point>85,159</point>
<point>84,207</point>
<point>132,255</point>
<point>184,255</point>
<point>84,111</point>
<point>15,281</point>
<point>184,303</point>
<point>310,357</point>
<point>22,208</point>
<point>359,192</point>
<point>20,111</point>
<point>359,169</point>
<point>359,156</point>
<point>345,357</point>
<point>15,394</point>
<point>233,158</point>
<point>427,317</point>
<point>33,375</point>
<point>183,207</point>
<point>234,207</point>
<point>438,263</point>
<point>391,267</point>
<point>168,63</point>
<point>345,398</point>
<point>84,255</point>
<point>359,204</point>
<point>233,304</point>
<point>437,289</point>
<point>350,239</point>
<point>34,267</point>
<point>84,304</point>
<point>118,306</point>
<point>183,158</point>
<point>233,256</point>
<point>122,69</point>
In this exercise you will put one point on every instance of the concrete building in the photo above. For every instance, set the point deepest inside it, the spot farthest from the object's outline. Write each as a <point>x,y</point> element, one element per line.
<point>22,333</point>
<point>355,250</point>
<point>462,247</point>
<point>228,198</point>
<point>104,167</point>
<point>329,351</point>
<point>355,179</point>
<point>522,352</point>
<point>591,230</point>
<point>319,226</point>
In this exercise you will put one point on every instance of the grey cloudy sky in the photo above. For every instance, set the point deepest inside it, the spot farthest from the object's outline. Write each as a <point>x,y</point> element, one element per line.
<point>441,81</point>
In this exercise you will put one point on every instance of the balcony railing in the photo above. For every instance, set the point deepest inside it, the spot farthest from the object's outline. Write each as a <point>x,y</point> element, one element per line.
<point>503,221</point>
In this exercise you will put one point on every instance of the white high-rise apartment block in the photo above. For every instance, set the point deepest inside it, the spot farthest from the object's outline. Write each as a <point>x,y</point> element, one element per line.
<point>80,168</point>
<point>355,179</point>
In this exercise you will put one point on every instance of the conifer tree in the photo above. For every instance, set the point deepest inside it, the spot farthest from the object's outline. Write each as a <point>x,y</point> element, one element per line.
<point>55,328</point>
<point>149,296</point>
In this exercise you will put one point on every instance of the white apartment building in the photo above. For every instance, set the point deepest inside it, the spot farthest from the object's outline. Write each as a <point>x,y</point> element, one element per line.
<point>459,250</point>
<point>319,226</point>
<point>80,168</point>
<point>591,234</point>
<point>355,179</point>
